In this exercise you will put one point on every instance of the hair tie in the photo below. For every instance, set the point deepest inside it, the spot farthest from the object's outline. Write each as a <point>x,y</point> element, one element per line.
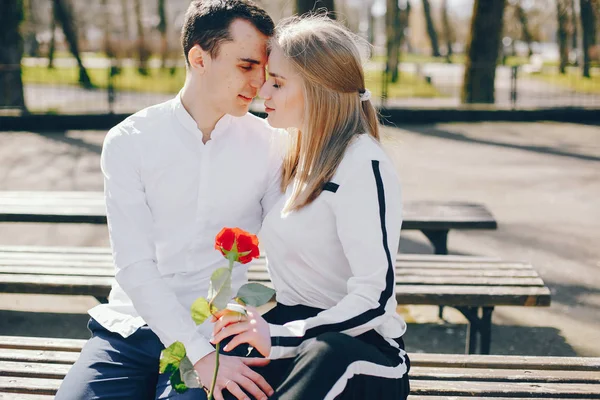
<point>365,95</point>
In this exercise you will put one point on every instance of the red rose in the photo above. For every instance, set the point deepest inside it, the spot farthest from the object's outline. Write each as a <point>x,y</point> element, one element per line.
<point>247,243</point>
<point>225,240</point>
<point>243,244</point>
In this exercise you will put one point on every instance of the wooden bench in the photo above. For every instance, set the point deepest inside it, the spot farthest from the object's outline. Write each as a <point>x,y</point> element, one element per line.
<point>33,368</point>
<point>434,219</point>
<point>473,285</point>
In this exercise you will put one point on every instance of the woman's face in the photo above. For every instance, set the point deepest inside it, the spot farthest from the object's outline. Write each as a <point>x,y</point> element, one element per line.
<point>282,91</point>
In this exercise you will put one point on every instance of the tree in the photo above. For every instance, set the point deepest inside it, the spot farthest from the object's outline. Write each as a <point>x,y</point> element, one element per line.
<point>483,48</point>
<point>448,31</point>
<point>304,6</point>
<point>162,28</point>
<point>574,34</point>
<point>108,48</point>
<point>126,28</point>
<point>64,17</point>
<point>561,12</point>
<point>523,20</point>
<point>52,45</point>
<point>32,47</point>
<point>392,28</point>
<point>433,38</point>
<point>588,27</point>
<point>11,52</point>
<point>143,53</point>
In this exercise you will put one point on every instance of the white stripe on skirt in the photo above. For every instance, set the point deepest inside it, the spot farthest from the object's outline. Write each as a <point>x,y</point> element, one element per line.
<point>367,368</point>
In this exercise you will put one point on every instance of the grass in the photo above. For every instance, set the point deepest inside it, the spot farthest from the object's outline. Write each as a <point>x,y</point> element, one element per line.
<point>160,81</point>
<point>408,85</point>
<point>572,80</point>
<point>421,58</point>
<point>157,81</point>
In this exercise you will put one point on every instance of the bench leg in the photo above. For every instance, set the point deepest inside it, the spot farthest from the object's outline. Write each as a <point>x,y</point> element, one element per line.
<point>486,330</point>
<point>439,240</point>
<point>479,330</point>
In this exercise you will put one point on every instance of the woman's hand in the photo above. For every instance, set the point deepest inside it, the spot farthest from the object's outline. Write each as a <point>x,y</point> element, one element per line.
<point>251,329</point>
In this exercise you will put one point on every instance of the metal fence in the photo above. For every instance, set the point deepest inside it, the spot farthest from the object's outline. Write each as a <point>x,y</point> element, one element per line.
<point>120,88</point>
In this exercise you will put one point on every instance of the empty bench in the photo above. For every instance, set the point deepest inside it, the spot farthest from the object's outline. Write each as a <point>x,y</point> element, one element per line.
<point>434,219</point>
<point>33,368</point>
<point>473,285</point>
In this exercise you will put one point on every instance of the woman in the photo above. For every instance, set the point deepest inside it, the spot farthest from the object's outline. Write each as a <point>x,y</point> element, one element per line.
<point>332,238</point>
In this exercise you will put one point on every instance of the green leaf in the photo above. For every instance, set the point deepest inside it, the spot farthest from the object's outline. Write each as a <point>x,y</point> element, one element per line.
<point>177,383</point>
<point>171,357</point>
<point>219,291</point>
<point>201,310</point>
<point>255,294</point>
<point>188,374</point>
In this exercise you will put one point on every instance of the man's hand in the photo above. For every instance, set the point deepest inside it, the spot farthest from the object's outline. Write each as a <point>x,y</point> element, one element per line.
<point>234,375</point>
<point>251,329</point>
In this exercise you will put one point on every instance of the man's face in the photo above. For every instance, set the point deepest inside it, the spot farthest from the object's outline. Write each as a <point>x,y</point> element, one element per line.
<point>233,78</point>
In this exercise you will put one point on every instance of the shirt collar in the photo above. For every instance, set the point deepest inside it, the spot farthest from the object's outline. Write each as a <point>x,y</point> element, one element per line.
<point>190,125</point>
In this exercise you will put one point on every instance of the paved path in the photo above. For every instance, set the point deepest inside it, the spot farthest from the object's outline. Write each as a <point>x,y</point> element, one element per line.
<point>541,180</point>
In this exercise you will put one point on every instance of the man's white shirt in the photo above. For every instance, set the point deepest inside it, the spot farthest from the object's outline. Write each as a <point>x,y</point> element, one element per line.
<point>167,196</point>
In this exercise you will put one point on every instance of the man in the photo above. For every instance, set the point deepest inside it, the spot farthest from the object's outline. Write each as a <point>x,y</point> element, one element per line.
<point>175,175</point>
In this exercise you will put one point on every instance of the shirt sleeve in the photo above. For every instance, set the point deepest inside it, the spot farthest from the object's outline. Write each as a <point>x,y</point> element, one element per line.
<point>277,150</point>
<point>367,208</point>
<point>131,236</point>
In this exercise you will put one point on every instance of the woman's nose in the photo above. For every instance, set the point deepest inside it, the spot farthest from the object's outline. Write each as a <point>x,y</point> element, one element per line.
<point>264,92</point>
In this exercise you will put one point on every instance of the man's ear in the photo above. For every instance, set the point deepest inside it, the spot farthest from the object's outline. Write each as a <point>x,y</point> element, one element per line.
<point>198,59</point>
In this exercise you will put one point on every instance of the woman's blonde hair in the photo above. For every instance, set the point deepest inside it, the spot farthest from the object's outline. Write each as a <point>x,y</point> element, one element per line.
<point>327,58</point>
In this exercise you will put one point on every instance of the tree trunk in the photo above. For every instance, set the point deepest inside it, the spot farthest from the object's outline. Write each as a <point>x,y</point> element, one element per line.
<point>561,35</point>
<point>126,29</point>
<point>435,48</point>
<point>32,47</point>
<point>65,18</point>
<point>574,32</point>
<point>11,52</point>
<point>483,48</point>
<point>162,28</point>
<point>523,20</point>
<point>588,27</point>
<point>392,28</point>
<point>108,49</point>
<point>52,45</point>
<point>448,31</point>
<point>405,14</point>
<point>304,6</point>
<point>141,43</point>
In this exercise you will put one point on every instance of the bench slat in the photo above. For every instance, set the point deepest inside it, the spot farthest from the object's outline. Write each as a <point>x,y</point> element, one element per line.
<point>89,207</point>
<point>102,269</point>
<point>431,360</point>
<point>439,388</point>
<point>505,362</point>
<point>450,295</point>
<point>504,375</point>
<point>58,371</point>
<point>29,385</point>
<point>404,279</point>
<point>44,356</point>
<point>21,396</point>
<point>512,389</point>
<point>34,370</point>
<point>40,343</point>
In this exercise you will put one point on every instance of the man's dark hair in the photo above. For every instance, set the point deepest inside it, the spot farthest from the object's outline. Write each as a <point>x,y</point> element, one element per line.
<point>207,23</point>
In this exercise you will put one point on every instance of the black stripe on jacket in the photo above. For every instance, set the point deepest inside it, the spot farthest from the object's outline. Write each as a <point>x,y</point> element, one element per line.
<point>293,341</point>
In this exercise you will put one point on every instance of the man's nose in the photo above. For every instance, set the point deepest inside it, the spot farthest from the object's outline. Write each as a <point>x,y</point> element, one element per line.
<point>258,79</point>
